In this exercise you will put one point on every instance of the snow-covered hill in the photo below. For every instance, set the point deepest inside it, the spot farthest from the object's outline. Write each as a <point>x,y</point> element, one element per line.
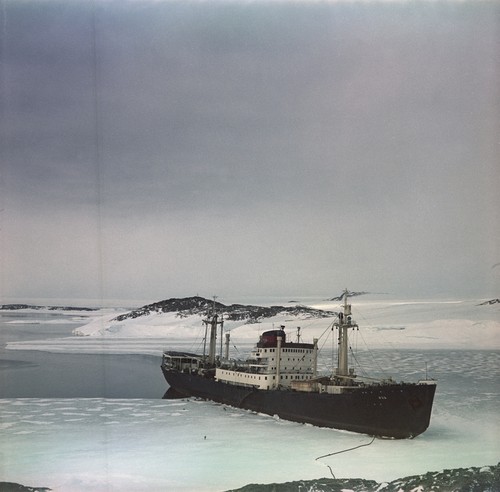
<point>431,324</point>
<point>181,317</point>
<point>235,312</point>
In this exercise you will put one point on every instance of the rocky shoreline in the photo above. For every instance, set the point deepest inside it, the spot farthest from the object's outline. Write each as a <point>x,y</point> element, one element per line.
<point>473,479</point>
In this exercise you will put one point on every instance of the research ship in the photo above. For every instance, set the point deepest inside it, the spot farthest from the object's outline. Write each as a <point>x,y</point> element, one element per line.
<point>281,378</point>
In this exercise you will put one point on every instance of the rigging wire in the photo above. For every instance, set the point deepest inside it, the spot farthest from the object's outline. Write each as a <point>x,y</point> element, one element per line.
<point>329,329</point>
<point>326,329</point>
<point>331,471</point>
<point>345,450</point>
<point>373,358</point>
<point>354,352</point>
<point>368,350</point>
<point>358,364</point>
<point>199,340</point>
<point>333,353</point>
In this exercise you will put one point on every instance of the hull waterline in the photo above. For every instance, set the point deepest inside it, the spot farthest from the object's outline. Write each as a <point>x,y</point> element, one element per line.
<point>394,410</point>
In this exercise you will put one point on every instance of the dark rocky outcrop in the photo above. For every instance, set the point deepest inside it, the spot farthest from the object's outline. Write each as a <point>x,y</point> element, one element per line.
<point>236,312</point>
<point>16,487</point>
<point>490,302</point>
<point>485,479</point>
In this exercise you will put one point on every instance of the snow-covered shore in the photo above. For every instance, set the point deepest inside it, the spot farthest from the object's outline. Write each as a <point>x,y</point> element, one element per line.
<point>401,324</point>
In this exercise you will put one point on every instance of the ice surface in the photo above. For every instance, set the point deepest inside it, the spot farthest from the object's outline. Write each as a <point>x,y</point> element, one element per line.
<point>121,445</point>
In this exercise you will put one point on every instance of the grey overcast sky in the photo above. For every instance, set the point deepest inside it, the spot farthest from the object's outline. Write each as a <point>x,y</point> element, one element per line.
<point>152,149</point>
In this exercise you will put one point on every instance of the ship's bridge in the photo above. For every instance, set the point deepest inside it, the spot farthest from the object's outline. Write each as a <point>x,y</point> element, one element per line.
<point>272,363</point>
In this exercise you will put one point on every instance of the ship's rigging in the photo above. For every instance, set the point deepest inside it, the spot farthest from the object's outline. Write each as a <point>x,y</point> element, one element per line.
<point>339,356</point>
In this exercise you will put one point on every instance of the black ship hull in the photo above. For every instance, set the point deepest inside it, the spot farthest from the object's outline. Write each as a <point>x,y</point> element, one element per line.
<point>387,410</point>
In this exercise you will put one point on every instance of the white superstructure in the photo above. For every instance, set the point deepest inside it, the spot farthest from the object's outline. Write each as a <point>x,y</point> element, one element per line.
<point>273,363</point>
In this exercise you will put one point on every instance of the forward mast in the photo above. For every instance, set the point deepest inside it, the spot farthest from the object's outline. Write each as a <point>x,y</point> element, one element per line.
<point>344,323</point>
<point>214,320</point>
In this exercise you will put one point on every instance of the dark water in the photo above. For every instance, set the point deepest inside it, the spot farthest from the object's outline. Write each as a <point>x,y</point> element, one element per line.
<point>26,374</point>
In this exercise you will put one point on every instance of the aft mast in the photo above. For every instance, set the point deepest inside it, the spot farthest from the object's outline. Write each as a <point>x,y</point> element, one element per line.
<point>212,319</point>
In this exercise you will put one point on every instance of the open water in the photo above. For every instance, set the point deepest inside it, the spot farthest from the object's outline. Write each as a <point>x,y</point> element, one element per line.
<point>41,374</point>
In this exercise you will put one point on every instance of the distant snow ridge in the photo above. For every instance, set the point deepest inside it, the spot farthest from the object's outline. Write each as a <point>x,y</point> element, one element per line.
<point>16,307</point>
<point>235,312</point>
